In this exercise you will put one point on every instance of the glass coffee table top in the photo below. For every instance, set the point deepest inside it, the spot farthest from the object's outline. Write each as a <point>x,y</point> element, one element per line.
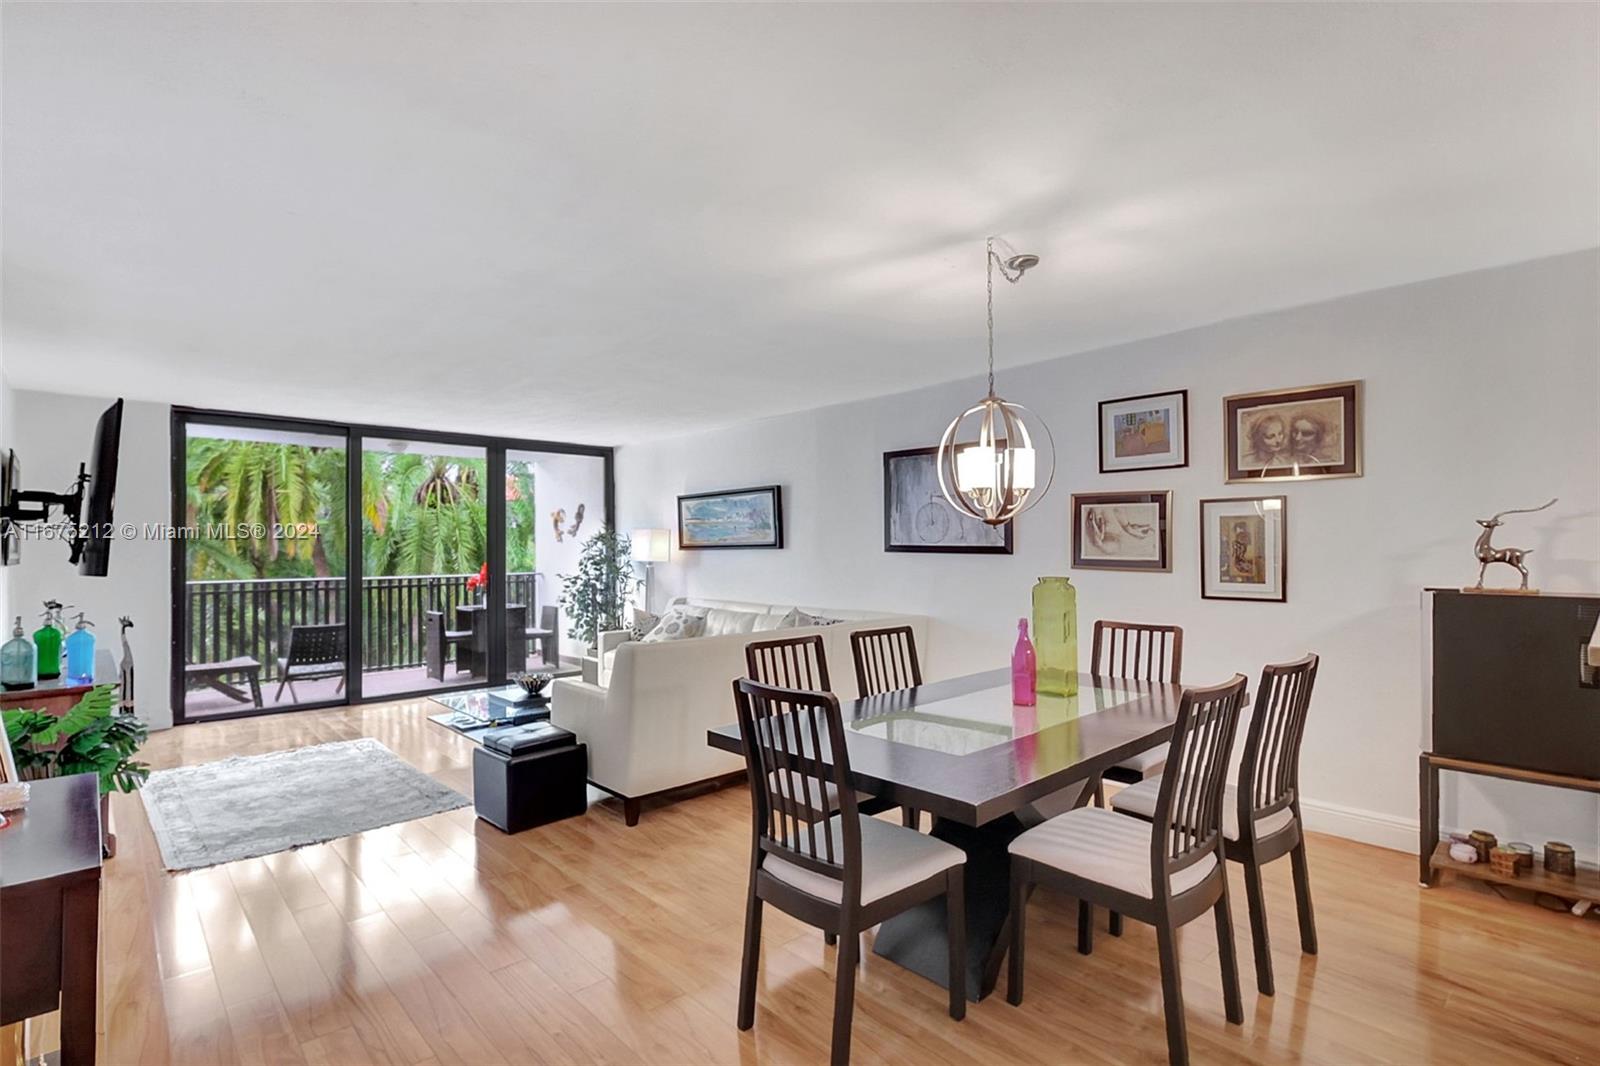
<point>480,709</point>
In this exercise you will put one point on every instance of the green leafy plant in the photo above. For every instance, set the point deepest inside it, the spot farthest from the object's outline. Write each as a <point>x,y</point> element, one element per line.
<point>596,596</point>
<point>92,739</point>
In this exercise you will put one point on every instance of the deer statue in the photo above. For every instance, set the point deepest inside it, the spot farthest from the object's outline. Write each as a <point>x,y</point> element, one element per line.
<point>1488,553</point>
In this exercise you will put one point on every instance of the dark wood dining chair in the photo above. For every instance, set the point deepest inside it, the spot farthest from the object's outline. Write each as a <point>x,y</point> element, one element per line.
<point>1166,873</point>
<point>844,873</point>
<point>802,662</point>
<point>1261,817</point>
<point>1139,651</point>
<point>886,661</point>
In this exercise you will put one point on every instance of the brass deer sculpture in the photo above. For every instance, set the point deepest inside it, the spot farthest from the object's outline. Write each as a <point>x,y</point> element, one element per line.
<point>1487,553</point>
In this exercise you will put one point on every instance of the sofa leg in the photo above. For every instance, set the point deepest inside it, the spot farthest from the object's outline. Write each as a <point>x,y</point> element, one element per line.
<point>630,810</point>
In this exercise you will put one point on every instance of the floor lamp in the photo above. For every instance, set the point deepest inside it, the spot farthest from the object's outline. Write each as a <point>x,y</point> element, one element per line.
<point>650,547</point>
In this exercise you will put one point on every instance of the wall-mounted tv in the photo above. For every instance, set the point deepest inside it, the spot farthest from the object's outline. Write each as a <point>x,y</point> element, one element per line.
<point>96,482</point>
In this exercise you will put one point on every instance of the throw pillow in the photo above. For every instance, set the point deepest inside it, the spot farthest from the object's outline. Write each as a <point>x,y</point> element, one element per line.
<point>804,619</point>
<point>677,624</point>
<point>643,623</point>
<point>776,619</point>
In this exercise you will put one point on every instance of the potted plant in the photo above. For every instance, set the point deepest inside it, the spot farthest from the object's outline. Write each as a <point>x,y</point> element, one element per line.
<point>87,739</point>
<point>597,595</point>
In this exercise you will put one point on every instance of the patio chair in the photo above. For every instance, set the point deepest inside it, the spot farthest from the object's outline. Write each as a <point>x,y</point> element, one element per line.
<point>548,636</point>
<point>436,642</point>
<point>314,652</point>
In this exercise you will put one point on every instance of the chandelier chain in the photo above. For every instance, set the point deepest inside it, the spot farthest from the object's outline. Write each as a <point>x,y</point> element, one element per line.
<point>990,259</point>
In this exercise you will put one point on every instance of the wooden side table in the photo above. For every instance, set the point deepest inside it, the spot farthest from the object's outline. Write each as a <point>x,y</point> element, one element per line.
<point>50,910</point>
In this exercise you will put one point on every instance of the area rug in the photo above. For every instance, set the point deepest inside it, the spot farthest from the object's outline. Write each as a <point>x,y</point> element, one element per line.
<point>253,805</point>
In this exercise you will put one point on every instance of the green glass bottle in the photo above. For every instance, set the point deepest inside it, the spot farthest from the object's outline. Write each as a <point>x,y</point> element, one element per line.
<point>47,639</point>
<point>1055,635</point>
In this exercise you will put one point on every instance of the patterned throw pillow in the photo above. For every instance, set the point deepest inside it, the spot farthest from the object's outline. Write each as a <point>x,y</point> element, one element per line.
<point>642,625</point>
<point>679,623</point>
<point>804,619</point>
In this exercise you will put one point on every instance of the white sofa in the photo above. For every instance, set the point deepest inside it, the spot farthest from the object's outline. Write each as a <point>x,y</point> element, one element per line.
<point>645,722</point>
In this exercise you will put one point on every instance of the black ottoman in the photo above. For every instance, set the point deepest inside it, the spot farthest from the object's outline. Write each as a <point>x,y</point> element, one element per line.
<point>513,793</point>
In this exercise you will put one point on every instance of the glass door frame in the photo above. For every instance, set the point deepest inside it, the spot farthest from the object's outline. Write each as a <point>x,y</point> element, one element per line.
<point>355,436</point>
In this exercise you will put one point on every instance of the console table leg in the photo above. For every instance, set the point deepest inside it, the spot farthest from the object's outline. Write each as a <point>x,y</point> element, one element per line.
<point>1427,820</point>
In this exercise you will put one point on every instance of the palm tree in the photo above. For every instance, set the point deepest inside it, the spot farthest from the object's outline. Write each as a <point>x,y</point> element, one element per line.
<point>239,484</point>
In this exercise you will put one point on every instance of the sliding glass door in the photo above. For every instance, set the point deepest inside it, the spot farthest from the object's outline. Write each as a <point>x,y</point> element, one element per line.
<point>261,607</point>
<point>316,564</point>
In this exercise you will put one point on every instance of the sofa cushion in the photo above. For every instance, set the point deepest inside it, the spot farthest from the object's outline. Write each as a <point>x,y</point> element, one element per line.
<point>778,618</point>
<point>804,619</point>
<point>722,622</point>
<point>679,623</point>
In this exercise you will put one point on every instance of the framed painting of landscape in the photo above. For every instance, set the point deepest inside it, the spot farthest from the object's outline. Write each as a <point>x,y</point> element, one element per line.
<point>1149,432</point>
<point>735,518</point>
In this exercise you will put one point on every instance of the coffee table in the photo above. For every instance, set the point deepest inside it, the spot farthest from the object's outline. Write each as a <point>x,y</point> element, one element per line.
<point>471,713</point>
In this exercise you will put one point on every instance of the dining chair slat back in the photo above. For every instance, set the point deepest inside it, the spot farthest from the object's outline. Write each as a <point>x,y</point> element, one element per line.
<point>793,662</point>
<point>798,767</point>
<point>1138,650</point>
<point>1269,771</point>
<point>886,660</point>
<point>1189,807</point>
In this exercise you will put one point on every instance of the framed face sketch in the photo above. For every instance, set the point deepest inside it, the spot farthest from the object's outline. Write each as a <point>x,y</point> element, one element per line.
<point>1148,432</point>
<point>1122,531</point>
<point>917,518</point>
<point>1293,434</point>
<point>1244,549</point>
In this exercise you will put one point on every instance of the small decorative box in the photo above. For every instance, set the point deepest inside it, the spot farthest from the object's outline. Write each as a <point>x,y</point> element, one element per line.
<point>1560,859</point>
<point>1503,861</point>
<point>1463,852</point>
<point>1484,841</point>
<point>1524,856</point>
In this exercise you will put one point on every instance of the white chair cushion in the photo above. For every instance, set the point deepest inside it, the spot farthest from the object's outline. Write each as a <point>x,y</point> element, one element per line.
<point>892,858</point>
<point>1140,799</point>
<point>1104,847</point>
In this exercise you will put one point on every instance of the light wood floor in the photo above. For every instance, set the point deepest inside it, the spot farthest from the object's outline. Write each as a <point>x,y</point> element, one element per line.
<point>444,941</point>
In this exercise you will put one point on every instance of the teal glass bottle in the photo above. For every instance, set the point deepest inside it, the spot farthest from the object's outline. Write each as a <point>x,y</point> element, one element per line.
<point>1055,636</point>
<point>17,663</point>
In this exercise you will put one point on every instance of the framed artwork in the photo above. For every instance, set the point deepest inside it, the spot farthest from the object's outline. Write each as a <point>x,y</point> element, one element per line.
<point>917,518</point>
<point>1122,531</point>
<point>1149,432</point>
<point>8,764</point>
<point>1244,549</point>
<point>1293,434</point>
<point>736,518</point>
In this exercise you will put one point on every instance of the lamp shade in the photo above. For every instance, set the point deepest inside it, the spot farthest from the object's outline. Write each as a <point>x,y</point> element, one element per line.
<point>650,545</point>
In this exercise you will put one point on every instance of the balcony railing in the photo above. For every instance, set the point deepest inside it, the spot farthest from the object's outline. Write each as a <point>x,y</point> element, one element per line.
<point>228,619</point>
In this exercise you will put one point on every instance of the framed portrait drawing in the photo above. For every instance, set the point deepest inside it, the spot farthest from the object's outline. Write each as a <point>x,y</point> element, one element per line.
<point>1293,434</point>
<point>736,518</point>
<point>1122,531</point>
<point>1149,432</point>
<point>917,518</point>
<point>1244,549</point>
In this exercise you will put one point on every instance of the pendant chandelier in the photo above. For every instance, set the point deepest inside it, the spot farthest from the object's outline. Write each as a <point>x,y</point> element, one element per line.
<point>991,465</point>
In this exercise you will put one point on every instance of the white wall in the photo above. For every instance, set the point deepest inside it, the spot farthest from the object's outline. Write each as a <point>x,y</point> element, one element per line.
<point>1481,394</point>
<point>563,482</point>
<point>52,434</point>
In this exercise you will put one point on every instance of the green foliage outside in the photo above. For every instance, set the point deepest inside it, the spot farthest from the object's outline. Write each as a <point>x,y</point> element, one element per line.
<point>420,514</point>
<point>93,741</point>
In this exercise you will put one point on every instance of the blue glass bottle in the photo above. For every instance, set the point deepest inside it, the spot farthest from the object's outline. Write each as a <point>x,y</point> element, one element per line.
<point>80,651</point>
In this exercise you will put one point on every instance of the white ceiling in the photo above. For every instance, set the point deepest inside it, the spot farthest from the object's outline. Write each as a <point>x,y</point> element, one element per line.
<point>607,223</point>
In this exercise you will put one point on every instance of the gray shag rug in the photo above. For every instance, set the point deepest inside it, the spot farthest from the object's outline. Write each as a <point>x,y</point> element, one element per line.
<point>253,805</point>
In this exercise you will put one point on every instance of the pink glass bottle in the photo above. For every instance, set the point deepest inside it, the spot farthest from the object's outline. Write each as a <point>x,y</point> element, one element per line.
<point>1024,670</point>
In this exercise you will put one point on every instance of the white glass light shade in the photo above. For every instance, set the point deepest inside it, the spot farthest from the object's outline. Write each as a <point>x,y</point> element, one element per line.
<point>989,462</point>
<point>651,545</point>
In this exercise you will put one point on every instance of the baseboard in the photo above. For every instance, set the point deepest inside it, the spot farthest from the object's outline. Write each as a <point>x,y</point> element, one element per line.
<point>1354,823</point>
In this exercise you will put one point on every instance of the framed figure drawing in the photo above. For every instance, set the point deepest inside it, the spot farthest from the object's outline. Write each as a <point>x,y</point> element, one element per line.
<point>736,518</point>
<point>917,518</point>
<point>1244,549</point>
<point>1293,434</point>
<point>1122,531</point>
<point>1149,432</point>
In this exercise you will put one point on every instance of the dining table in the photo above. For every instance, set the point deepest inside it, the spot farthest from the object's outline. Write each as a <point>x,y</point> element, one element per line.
<point>986,769</point>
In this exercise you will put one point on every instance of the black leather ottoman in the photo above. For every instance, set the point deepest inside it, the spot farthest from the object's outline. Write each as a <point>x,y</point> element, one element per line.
<point>513,793</point>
